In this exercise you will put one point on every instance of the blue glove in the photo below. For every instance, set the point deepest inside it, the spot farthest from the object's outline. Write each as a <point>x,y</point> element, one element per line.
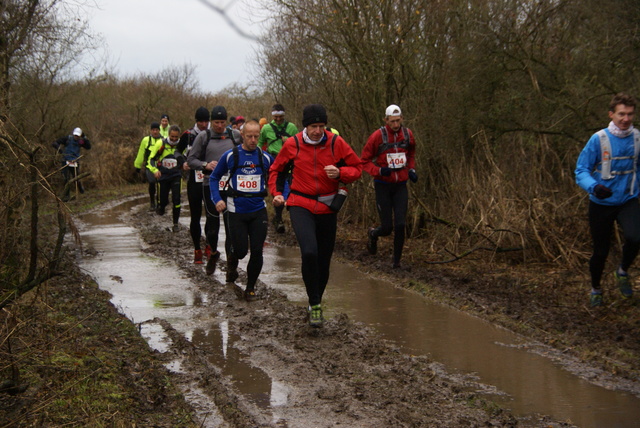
<point>602,192</point>
<point>385,171</point>
<point>413,176</point>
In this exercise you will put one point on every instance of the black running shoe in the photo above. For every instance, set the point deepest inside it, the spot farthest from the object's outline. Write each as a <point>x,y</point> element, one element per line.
<point>211,263</point>
<point>372,242</point>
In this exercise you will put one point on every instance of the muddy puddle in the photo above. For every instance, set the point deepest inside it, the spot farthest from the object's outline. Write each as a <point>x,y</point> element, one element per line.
<point>528,378</point>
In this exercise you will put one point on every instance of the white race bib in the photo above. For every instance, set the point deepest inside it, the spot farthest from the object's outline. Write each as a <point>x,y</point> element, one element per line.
<point>223,182</point>
<point>72,164</point>
<point>199,176</point>
<point>169,163</point>
<point>249,183</point>
<point>396,160</point>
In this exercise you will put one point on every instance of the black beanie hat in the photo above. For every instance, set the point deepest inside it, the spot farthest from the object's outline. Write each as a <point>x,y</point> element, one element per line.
<point>314,113</point>
<point>154,125</point>
<point>202,114</point>
<point>164,116</point>
<point>218,113</point>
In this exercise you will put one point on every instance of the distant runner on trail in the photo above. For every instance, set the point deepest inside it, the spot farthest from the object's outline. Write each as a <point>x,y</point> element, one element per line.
<point>272,137</point>
<point>243,171</point>
<point>165,162</point>
<point>389,157</point>
<point>607,170</point>
<point>164,125</point>
<point>146,143</point>
<point>70,153</point>
<point>203,157</point>
<point>321,163</point>
<point>194,187</point>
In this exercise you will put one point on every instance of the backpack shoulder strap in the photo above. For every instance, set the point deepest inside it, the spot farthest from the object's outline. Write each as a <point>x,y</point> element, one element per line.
<point>385,140</point>
<point>605,155</point>
<point>203,152</point>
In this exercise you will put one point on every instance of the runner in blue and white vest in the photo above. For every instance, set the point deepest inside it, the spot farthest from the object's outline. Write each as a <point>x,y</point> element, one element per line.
<point>238,187</point>
<point>607,170</point>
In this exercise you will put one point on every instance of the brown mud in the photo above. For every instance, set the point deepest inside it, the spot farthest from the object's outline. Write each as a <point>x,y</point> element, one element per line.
<point>342,374</point>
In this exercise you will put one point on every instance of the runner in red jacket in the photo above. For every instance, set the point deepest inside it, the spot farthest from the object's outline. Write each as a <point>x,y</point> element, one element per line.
<point>389,157</point>
<point>318,163</point>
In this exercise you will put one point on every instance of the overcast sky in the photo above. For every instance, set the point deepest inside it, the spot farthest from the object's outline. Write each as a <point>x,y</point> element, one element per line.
<point>150,35</point>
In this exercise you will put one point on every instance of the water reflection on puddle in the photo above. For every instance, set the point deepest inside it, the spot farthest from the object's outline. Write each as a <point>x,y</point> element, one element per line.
<point>534,383</point>
<point>144,288</point>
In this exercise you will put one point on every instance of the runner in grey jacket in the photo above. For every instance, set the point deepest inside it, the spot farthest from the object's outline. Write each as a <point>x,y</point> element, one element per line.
<point>203,157</point>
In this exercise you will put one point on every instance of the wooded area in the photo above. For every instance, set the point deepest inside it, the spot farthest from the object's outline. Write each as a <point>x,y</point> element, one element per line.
<point>501,96</point>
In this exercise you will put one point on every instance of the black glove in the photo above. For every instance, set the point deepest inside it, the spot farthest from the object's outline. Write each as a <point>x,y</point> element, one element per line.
<point>137,170</point>
<point>413,176</point>
<point>602,192</point>
<point>385,172</point>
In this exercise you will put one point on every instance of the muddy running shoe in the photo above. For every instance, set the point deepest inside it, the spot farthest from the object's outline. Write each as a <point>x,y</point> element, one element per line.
<point>624,284</point>
<point>372,243</point>
<point>211,263</point>
<point>595,299</point>
<point>250,295</point>
<point>279,226</point>
<point>197,257</point>
<point>232,275</point>
<point>315,316</point>
<point>175,228</point>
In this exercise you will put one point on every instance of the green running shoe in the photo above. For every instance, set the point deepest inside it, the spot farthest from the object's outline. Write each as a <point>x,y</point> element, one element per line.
<point>595,299</point>
<point>315,316</point>
<point>624,284</point>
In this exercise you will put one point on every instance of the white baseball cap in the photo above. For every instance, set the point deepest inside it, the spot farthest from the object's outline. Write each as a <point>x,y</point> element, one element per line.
<point>393,110</point>
<point>77,132</point>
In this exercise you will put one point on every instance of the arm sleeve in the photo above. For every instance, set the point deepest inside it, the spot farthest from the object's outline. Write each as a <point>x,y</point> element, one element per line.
<point>286,153</point>
<point>221,169</point>
<point>153,152</point>
<point>87,144</point>
<point>184,142</point>
<point>59,142</point>
<point>411,155</point>
<point>587,161</point>
<point>353,169</point>
<point>193,158</point>
<point>138,163</point>
<point>370,152</point>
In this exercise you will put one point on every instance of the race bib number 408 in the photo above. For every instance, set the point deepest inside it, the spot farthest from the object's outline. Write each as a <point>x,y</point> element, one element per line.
<point>249,183</point>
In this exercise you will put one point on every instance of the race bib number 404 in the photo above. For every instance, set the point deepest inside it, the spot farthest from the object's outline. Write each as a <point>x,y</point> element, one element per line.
<point>249,183</point>
<point>397,160</point>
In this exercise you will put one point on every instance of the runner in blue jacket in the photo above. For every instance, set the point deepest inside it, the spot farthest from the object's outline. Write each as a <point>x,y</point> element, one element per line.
<point>607,170</point>
<point>238,187</point>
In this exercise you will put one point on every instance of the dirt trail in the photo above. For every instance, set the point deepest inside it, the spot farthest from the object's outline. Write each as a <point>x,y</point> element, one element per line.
<point>342,374</point>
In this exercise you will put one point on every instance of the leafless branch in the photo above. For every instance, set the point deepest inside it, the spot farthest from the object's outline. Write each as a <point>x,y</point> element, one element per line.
<point>222,12</point>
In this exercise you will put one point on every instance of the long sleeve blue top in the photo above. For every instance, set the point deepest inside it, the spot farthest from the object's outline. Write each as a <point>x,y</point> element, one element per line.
<point>248,173</point>
<point>588,169</point>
